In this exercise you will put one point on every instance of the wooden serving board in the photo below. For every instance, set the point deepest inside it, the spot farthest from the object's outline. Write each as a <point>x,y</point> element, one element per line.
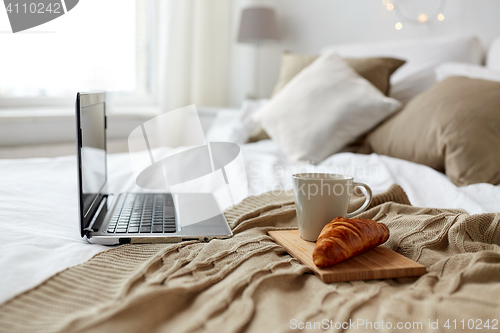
<point>378,263</point>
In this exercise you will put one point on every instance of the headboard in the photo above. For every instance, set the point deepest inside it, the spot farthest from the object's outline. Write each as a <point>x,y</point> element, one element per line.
<point>312,25</point>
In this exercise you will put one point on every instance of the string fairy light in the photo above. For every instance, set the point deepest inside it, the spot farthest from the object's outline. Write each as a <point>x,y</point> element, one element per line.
<point>422,18</point>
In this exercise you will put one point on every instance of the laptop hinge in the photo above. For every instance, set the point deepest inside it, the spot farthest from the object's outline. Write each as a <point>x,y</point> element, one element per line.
<point>95,217</point>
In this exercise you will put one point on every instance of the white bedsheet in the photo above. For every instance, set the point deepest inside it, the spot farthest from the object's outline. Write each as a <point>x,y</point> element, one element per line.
<point>38,202</point>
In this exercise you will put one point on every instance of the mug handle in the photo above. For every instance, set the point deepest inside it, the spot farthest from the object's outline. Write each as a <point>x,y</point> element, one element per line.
<point>365,204</point>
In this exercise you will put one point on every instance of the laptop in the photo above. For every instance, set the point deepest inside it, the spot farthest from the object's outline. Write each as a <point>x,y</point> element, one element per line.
<point>124,218</point>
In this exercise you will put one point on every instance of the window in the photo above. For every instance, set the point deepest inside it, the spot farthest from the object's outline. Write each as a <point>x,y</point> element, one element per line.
<point>99,45</point>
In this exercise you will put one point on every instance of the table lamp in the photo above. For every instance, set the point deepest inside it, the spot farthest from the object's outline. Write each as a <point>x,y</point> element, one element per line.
<point>257,26</point>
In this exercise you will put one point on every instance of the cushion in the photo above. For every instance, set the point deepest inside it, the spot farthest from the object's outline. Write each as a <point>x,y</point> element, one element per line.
<point>493,57</point>
<point>421,55</point>
<point>376,70</point>
<point>448,69</point>
<point>324,107</point>
<point>453,127</point>
<point>291,65</point>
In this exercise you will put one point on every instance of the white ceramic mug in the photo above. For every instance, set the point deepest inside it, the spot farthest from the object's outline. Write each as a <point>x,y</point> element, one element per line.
<point>321,197</point>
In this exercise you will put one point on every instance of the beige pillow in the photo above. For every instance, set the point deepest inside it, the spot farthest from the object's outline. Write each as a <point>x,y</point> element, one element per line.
<point>291,65</point>
<point>376,70</point>
<point>452,127</point>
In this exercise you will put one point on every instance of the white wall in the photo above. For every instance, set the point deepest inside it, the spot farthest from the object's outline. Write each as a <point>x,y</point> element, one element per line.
<point>307,26</point>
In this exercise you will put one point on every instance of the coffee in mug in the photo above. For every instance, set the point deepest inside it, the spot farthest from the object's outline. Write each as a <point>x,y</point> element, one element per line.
<point>321,197</point>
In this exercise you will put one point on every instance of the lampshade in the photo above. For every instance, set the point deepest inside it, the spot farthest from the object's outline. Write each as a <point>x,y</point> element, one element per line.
<point>258,25</point>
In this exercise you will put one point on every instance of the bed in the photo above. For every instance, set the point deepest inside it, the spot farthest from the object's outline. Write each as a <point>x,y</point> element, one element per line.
<point>38,212</point>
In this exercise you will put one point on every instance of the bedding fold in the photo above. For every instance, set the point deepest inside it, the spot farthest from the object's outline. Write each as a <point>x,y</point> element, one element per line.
<point>249,283</point>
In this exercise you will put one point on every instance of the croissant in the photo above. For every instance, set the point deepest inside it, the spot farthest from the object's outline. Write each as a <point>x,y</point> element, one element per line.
<point>344,238</point>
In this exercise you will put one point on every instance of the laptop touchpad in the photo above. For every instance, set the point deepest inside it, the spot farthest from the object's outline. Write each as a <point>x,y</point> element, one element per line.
<point>192,208</point>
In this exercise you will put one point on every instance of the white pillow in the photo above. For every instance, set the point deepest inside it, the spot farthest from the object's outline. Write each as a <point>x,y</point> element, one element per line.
<point>421,55</point>
<point>469,70</point>
<point>248,108</point>
<point>493,58</point>
<point>235,125</point>
<point>323,108</point>
<point>223,127</point>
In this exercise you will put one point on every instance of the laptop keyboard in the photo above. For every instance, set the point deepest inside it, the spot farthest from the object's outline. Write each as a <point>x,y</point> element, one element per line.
<point>143,213</point>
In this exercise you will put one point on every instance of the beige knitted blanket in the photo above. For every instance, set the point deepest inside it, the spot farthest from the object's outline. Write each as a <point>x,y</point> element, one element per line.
<point>248,283</point>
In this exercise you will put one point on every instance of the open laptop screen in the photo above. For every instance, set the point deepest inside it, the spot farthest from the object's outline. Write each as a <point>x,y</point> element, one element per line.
<point>92,150</point>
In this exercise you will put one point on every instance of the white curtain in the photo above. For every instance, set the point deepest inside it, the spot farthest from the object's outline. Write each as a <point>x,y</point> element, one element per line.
<point>194,41</point>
